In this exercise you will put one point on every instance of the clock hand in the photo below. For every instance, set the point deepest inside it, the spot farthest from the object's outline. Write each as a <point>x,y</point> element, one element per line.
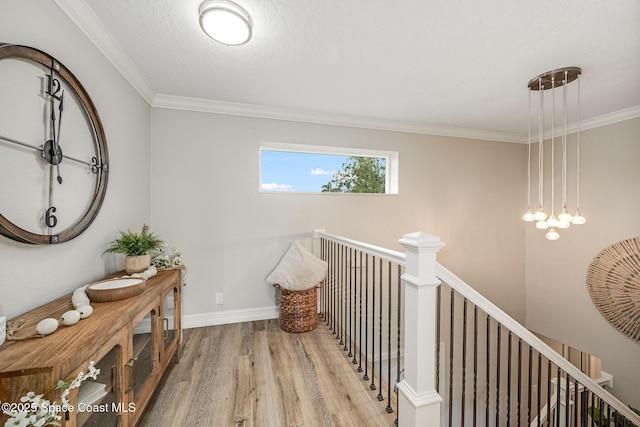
<point>56,139</point>
<point>24,144</point>
<point>55,155</point>
<point>93,164</point>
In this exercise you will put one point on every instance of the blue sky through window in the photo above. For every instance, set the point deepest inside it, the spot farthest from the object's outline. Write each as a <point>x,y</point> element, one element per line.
<point>297,172</point>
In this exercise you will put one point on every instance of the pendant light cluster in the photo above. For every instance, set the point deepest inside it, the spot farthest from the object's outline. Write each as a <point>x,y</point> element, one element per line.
<point>552,82</point>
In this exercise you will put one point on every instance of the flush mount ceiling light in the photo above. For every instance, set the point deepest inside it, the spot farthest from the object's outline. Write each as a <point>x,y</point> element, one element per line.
<point>225,22</point>
<point>552,82</point>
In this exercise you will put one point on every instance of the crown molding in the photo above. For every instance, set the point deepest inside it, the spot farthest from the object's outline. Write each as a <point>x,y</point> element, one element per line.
<point>607,119</point>
<point>592,123</point>
<point>96,32</point>
<point>275,113</point>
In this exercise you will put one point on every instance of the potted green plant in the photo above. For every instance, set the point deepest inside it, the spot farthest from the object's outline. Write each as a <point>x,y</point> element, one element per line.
<point>136,248</point>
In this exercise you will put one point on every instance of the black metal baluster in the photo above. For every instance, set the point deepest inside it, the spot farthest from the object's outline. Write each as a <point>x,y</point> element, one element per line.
<point>327,281</point>
<point>360,308</point>
<point>567,408</point>
<point>337,294</point>
<point>576,402</point>
<point>372,386</point>
<point>593,402</point>
<point>324,287</point>
<point>464,361</point>
<point>366,314</point>
<point>488,366</point>
<point>558,388</point>
<point>519,379</point>
<point>353,277</point>
<point>585,407</point>
<point>345,308</point>
<point>438,305</point>
<point>329,284</point>
<point>529,387</point>
<point>327,294</point>
<point>498,366</point>
<point>388,408</point>
<point>509,379</point>
<point>539,384</point>
<point>348,337</point>
<point>548,392</point>
<point>340,298</point>
<point>601,409</point>
<point>398,365</point>
<point>475,364</point>
<point>451,351</point>
<point>380,397</point>
<point>333,289</point>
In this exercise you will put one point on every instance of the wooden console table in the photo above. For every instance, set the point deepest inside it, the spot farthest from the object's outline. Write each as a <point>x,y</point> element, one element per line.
<point>131,341</point>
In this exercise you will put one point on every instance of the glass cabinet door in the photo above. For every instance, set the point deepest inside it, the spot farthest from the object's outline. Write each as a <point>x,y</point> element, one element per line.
<point>170,326</point>
<point>141,365</point>
<point>101,393</point>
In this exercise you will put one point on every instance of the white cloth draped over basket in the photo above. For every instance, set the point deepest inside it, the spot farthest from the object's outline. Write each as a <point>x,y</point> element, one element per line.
<point>298,269</point>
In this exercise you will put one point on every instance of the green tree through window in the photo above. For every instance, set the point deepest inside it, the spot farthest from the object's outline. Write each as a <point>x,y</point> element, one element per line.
<point>358,175</point>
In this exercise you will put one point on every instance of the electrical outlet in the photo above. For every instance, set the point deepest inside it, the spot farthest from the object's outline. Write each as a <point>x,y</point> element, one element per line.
<point>219,298</point>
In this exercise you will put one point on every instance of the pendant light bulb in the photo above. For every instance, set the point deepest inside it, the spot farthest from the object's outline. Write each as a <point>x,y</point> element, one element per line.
<point>528,217</point>
<point>542,225</point>
<point>552,221</point>
<point>565,216</point>
<point>564,224</point>
<point>553,234</point>
<point>578,219</point>
<point>540,215</point>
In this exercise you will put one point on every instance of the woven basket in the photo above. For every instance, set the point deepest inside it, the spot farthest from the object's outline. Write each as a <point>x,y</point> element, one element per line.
<point>298,309</point>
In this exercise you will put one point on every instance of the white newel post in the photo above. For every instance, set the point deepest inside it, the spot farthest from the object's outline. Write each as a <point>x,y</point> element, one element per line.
<point>418,400</point>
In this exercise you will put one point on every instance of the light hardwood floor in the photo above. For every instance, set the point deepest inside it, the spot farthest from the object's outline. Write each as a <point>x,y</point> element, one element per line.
<point>254,374</point>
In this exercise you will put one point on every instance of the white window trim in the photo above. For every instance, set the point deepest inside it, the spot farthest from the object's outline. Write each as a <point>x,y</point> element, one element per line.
<point>391,160</point>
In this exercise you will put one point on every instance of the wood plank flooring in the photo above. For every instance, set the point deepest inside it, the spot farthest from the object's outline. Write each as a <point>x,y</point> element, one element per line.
<point>254,374</point>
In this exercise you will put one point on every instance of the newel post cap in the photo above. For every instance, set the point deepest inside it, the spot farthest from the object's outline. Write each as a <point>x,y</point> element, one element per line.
<point>421,241</point>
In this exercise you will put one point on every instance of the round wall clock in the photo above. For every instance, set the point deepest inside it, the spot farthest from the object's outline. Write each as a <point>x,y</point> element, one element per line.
<point>53,153</point>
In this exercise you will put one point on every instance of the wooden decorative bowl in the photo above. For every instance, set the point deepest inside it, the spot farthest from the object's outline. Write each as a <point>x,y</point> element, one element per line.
<point>115,289</point>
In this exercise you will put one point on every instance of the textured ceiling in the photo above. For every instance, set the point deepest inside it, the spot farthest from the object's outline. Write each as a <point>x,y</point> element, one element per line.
<point>457,63</point>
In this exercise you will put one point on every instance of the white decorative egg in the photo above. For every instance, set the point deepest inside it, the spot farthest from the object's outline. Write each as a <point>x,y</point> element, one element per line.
<point>85,311</point>
<point>47,326</point>
<point>79,299</point>
<point>70,317</point>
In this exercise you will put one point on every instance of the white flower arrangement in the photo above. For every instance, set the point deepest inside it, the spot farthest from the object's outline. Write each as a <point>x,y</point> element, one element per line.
<point>162,259</point>
<point>38,412</point>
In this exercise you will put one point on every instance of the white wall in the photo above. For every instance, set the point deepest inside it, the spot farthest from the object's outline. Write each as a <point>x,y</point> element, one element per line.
<point>33,275</point>
<point>558,303</point>
<point>205,201</point>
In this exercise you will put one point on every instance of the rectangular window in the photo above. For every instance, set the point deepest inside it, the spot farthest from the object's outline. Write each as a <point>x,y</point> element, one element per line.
<point>298,168</point>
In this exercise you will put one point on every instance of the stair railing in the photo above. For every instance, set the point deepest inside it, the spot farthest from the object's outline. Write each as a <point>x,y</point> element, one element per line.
<point>459,359</point>
<point>496,372</point>
<point>361,304</point>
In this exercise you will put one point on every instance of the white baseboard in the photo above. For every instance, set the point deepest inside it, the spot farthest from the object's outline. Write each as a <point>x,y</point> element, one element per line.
<point>229,316</point>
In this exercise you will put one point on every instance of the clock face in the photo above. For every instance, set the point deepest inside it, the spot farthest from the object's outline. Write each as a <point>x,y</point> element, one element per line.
<point>53,154</point>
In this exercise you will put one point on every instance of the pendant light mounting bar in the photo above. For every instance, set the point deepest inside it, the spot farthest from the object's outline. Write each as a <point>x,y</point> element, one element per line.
<point>557,76</point>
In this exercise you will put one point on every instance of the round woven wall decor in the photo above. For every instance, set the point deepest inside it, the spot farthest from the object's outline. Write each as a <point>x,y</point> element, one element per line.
<point>613,281</point>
